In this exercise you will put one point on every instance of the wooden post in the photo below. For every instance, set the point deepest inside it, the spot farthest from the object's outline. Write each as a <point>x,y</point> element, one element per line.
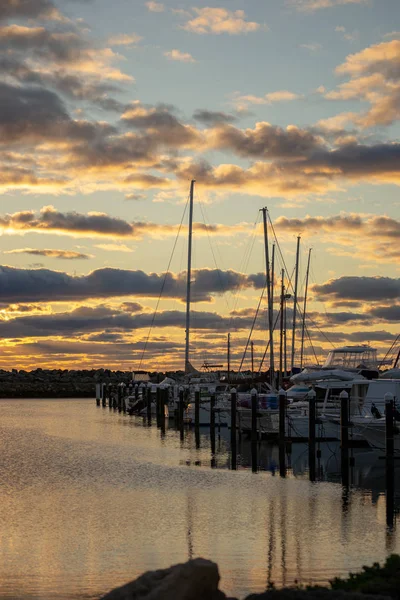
<point>312,415</point>
<point>233,426</point>
<point>212,424</point>
<point>197,415</point>
<point>148,398</point>
<point>104,396</point>
<point>98,394</point>
<point>123,396</point>
<point>136,392</point>
<point>389,416</point>
<point>181,411</point>
<point>344,436</point>
<point>282,415</point>
<point>162,410</point>
<point>254,432</point>
<point>156,391</point>
<point>254,409</point>
<point>344,419</point>
<point>119,396</point>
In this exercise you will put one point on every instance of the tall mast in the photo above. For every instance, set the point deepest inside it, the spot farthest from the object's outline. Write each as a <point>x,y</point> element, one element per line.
<point>270,317</point>
<point>188,282</point>
<point>252,360</point>
<point>304,309</point>
<point>281,329</point>
<point>296,281</point>
<point>284,338</point>
<point>229,357</point>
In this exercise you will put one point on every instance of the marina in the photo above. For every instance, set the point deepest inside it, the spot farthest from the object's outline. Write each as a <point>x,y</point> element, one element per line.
<point>107,497</point>
<point>111,497</point>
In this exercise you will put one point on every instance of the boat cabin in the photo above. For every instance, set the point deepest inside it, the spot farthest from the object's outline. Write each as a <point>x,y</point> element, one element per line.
<point>352,357</point>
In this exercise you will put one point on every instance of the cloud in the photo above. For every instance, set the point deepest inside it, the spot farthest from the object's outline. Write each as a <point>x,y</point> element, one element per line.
<point>114,247</point>
<point>313,5</point>
<point>366,236</point>
<point>161,125</point>
<point>313,47</point>
<point>179,56</point>
<point>29,9</point>
<point>125,39</point>
<point>86,320</point>
<point>25,285</point>
<point>374,78</point>
<point>266,141</point>
<point>219,20</point>
<point>135,197</point>
<point>62,57</point>
<point>155,6</point>
<point>363,289</point>
<point>64,254</point>
<point>131,307</point>
<point>242,102</point>
<point>210,117</point>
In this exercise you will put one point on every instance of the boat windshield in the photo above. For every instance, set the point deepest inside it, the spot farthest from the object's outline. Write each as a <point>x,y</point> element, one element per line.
<point>352,357</point>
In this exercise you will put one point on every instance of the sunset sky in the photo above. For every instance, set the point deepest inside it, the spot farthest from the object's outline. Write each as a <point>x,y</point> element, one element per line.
<point>109,109</point>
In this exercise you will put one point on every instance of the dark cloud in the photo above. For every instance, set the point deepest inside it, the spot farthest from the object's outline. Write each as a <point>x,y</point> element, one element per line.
<point>27,8</point>
<point>99,224</point>
<point>363,289</point>
<point>267,141</point>
<point>59,46</point>
<point>161,125</point>
<point>211,117</point>
<point>64,254</point>
<point>310,225</point>
<point>356,337</point>
<point>131,307</point>
<point>85,320</point>
<point>387,313</point>
<point>23,285</point>
<point>29,112</point>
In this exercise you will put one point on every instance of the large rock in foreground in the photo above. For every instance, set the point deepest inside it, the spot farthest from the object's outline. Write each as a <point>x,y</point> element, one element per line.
<point>313,594</point>
<point>195,580</point>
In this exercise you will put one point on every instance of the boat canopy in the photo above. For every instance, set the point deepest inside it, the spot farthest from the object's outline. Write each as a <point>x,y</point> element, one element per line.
<point>352,357</point>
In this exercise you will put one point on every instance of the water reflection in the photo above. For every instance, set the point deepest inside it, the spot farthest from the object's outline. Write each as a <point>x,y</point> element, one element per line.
<point>90,499</point>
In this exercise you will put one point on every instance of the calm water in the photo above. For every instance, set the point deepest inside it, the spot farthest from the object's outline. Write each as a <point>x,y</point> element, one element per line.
<point>90,499</point>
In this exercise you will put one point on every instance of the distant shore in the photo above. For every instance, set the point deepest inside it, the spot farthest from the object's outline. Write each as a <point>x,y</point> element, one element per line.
<point>57,383</point>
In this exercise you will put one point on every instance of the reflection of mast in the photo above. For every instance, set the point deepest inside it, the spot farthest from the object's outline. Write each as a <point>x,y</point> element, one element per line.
<point>187,341</point>
<point>270,546</point>
<point>189,527</point>
<point>283,537</point>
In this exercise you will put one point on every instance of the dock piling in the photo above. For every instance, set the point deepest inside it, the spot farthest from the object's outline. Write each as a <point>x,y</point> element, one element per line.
<point>197,415</point>
<point>148,400</point>
<point>282,415</point>
<point>233,427</point>
<point>312,416</point>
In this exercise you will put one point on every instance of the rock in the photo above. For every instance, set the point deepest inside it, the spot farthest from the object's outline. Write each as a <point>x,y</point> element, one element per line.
<point>195,580</point>
<point>312,594</point>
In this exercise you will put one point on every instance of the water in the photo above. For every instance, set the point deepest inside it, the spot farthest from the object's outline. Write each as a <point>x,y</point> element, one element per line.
<point>90,499</point>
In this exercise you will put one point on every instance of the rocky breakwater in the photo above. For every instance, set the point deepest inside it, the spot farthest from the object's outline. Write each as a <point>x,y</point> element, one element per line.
<point>198,579</point>
<point>57,383</point>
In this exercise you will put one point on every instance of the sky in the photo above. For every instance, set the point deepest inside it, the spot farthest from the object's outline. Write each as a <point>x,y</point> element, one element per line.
<point>109,109</point>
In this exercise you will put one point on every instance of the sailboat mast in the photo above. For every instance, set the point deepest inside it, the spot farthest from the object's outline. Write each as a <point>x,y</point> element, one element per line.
<point>281,329</point>
<point>229,357</point>
<point>270,317</point>
<point>296,282</point>
<point>304,310</point>
<point>188,282</point>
